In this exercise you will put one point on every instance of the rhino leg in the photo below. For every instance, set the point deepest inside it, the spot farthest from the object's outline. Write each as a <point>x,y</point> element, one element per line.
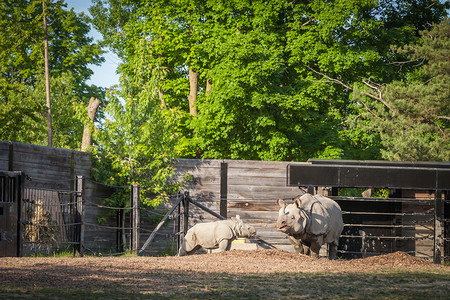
<point>315,249</point>
<point>303,248</point>
<point>299,249</point>
<point>306,249</point>
<point>224,245</point>
<point>298,245</point>
<point>181,251</point>
<point>189,244</point>
<point>332,251</point>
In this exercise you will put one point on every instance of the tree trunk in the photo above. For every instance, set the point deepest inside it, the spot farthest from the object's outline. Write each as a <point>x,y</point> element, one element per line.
<point>47,81</point>
<point>208,86</point>
<point>94,103</point>
<point>161,98</point>
<point>193,85</point>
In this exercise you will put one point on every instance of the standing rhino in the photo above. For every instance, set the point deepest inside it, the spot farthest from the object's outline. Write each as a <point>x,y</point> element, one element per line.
<point>310,222</point>
<point>214,235</point>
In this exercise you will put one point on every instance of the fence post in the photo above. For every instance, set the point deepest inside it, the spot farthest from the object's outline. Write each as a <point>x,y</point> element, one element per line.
<point>223,189</point>
<point>185,213</point>
<point>79,194</point>
<point>20,228</point>
<point>446,230</point>
<point>135,204</point>
<point>438,217</point>
<point>177,228</point>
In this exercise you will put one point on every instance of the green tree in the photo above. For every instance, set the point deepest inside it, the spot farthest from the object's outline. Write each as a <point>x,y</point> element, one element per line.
<point>413,120</point>
<point>135,145</point>
<point>265,68</point>
<point>22,93</point>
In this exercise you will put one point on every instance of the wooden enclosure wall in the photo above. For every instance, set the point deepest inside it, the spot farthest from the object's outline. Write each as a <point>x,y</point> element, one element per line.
<point>228,187</point>
<point>55,169</point>
<point>249,187</point>
<point>46,167</point>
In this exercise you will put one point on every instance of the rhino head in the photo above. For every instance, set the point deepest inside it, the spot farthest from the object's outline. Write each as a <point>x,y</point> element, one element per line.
<point>243,229</point>
<point>291,218</point>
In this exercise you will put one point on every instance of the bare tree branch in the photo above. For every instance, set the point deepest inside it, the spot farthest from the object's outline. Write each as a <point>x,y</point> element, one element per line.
<point>307,22</point>
<point>379,98</point>
<point>406,62</point>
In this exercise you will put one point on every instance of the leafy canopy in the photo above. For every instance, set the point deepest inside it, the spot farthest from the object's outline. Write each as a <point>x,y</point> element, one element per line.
<point>135,144</point>
<point>415,122</point>
<point>282,72</point>
<point>22,92</point>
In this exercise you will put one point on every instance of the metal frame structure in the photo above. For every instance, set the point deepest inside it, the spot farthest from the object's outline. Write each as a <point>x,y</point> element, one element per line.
<point>385,224</point>
<point>11,193</point>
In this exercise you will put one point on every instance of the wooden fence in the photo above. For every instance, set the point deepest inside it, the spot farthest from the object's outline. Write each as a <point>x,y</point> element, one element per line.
<point>50,170</point>
<point>235,187</point>
<point>230,187</point>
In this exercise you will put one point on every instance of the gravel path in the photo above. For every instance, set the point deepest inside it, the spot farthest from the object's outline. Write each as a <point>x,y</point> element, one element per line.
<point>140,273</point>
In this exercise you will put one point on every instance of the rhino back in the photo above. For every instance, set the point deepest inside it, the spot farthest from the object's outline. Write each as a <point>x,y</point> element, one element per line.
<point>326,217</point>
<point>209,235</point>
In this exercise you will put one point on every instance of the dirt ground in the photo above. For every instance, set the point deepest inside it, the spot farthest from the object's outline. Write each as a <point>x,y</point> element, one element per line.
<point>145,275</point>
<point>23,270</point>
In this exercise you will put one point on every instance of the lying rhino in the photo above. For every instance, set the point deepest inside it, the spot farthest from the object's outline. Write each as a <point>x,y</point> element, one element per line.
<point>214,235</point>
<point>311,222</point>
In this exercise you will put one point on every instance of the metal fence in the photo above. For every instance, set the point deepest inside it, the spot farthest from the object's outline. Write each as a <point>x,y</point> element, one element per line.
<point>53,219</point>
<point>11,188</point>
<point>118,220</point>
<point>375,226</point>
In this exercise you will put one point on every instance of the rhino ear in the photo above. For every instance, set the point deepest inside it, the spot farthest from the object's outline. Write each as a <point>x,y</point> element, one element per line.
<point>298,202</point>
<point>281,203</point>
<point>238,217</point>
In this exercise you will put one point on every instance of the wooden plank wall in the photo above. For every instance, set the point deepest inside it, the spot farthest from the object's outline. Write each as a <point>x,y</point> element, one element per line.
<point>46,167</point>
<point>4,156</point>
<point>252,189</point>
<point>55,169</point>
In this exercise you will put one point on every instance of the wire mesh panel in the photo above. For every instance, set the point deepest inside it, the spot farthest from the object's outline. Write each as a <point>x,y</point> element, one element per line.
<point>51,219</point>
<point>376,226</point>
<point>112,219</point>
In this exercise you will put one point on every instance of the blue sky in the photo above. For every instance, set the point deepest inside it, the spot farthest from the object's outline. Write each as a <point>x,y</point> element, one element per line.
<point>104,75</point>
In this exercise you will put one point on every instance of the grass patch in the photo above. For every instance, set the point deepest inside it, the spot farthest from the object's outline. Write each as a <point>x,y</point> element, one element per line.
<point>169,284</point>
<point>61,293</point>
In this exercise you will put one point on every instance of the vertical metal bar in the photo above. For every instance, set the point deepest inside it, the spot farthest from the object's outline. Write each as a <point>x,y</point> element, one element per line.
<point>438,217</point>
<point>20,191</point>
<point>185,214</point>
<point>79,194</point>
<point>136,217</point>
<point>446,230</point>
<point>178,224</point>
<point>223,188</point>
<point>393,207</point>
<point>119,230</point>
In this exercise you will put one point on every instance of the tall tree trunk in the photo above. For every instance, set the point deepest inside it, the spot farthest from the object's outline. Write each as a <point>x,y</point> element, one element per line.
<point>161,97</point>
<point>193,85</point>
<point>94,103</point>
<point>208,86</point>
<point>47,81</point>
